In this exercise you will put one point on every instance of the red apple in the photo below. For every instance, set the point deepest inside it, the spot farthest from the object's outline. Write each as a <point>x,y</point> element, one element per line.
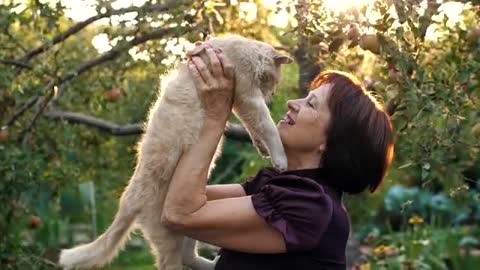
<point>35,221</point>
<point>393,75</point>
<point>473,35</point>
<point>3,135</point>
<point>353,33</point>
<point>112,95</point>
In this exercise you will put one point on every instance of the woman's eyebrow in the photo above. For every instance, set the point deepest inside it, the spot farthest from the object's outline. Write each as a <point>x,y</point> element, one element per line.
<point>313,96</point>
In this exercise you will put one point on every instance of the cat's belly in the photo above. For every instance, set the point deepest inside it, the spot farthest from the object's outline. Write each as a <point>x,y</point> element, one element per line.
<point>171,130</point>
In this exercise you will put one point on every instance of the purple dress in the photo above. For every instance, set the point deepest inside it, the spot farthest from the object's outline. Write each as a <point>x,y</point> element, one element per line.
<point>307,211</point>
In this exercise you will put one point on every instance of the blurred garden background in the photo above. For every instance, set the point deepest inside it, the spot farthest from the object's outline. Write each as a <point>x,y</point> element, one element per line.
<point>77,78</point>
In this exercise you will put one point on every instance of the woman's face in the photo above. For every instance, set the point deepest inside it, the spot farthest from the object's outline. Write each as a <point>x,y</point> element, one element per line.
<point>303,129</point>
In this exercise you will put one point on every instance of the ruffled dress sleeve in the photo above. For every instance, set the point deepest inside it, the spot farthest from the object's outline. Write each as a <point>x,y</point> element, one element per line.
<point>297,207</point>
<point>253,184</point>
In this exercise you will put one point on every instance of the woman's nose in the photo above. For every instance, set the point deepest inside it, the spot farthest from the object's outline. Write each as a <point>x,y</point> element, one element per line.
<point>292,105</point>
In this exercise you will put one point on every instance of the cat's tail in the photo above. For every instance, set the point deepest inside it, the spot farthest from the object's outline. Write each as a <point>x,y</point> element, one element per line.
<point>106,246</point>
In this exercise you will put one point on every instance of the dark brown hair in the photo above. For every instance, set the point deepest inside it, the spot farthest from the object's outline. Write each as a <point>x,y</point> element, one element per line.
<point>359,146</point>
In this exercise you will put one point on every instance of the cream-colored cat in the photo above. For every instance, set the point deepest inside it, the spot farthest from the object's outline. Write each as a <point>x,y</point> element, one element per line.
<point>173,125</point>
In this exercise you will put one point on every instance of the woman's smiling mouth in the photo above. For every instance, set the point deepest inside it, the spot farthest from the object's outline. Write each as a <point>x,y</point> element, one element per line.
<point>287,119</point>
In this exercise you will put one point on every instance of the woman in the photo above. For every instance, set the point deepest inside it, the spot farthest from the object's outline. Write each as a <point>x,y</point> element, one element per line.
<point>337,139</point>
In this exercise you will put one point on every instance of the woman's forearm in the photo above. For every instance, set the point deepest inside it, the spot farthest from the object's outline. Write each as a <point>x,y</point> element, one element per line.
<point>187,190</point>
<point>216,192</point>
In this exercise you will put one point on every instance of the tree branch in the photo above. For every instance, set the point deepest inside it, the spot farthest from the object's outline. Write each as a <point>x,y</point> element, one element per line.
<point>284,48</point>
<point>86,65</point>
<point>308,67</point>
<point>27,105</point>
<point>17,63</point>
<point>234,132</point>
<point>391,106</point>
<point>44,101</point>
<point>81,25</point>
<point>237,132</point>
<point>102,125</point>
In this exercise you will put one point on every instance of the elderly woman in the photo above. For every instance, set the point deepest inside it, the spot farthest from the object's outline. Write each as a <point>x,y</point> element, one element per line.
<point>337,139</point>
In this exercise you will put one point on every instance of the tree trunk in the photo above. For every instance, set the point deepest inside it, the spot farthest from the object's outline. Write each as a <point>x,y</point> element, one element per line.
<point>308,68</point>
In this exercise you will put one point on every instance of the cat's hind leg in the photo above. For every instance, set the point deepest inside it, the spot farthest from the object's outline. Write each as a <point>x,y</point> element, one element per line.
<point>191,258</point>
<point>166,245</point>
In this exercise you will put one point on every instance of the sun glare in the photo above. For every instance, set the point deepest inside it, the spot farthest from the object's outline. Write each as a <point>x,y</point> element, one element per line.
<point>343,5</point>
<point>80,10</point>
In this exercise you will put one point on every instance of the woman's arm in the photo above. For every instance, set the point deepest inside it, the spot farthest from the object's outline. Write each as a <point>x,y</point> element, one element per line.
<point>216,192</point>
<point>231,223</point>
<point>216,94</point>
<point>187,191</point>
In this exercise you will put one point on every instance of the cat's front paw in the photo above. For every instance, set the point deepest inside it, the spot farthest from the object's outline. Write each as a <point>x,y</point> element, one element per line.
<point>261,147</point>
<point>280,162</point>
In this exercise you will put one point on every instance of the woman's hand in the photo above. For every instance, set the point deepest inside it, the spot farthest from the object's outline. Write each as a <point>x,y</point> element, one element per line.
<point>215,86</point>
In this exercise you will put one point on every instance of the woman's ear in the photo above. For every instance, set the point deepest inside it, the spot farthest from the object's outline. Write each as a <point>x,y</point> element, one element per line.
<point>322,148</point>
<point>321,151</point>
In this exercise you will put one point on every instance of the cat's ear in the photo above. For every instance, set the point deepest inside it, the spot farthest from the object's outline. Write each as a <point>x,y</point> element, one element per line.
<point>282,59</point>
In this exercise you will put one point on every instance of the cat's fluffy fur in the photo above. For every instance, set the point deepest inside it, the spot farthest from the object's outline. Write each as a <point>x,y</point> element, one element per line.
<point>173,125</point>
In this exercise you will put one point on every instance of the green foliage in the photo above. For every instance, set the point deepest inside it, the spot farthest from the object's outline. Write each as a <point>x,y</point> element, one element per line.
<point>136,259</point>
<point>430,89</point>
<point>424,247</point>
<point>410,201</point>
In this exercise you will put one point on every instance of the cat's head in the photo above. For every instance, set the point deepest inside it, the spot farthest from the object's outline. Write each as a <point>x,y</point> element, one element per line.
<point>257,64</point>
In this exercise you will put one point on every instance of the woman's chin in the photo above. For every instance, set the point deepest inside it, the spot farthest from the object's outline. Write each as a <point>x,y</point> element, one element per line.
<point>282,130</point>
<point>281,126</point>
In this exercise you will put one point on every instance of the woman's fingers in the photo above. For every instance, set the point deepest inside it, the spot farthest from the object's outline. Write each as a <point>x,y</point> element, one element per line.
<point>227,65</point>
<point>197,78</point>
<point>199,46</point>
<point>215,63</point>
<point>203,70</point>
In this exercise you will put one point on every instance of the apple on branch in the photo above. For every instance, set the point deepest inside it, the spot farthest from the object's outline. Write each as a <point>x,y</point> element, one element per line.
<point>3,135</point>
<point>113,95</point>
